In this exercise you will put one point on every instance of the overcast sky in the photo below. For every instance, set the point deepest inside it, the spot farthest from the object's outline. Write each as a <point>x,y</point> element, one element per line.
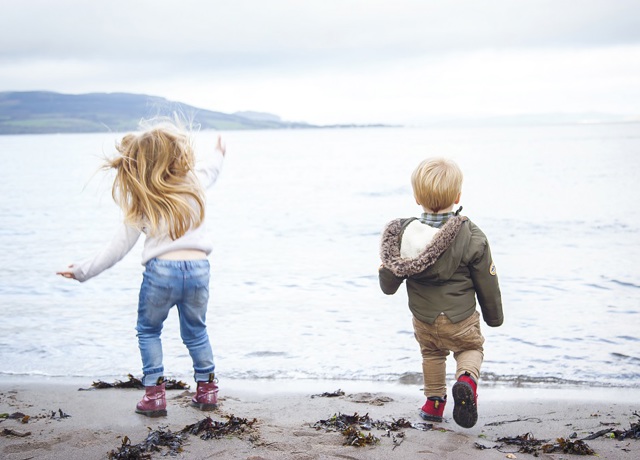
<point>334,61</point>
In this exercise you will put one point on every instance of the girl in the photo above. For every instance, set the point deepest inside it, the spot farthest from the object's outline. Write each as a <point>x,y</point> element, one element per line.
<point>162,195</point>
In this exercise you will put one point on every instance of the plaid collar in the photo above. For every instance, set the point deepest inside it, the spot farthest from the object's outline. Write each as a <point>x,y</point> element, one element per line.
<point>436,220</point>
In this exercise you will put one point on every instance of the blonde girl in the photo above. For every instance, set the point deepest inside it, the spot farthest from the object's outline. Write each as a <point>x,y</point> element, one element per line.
<point>161,193</point>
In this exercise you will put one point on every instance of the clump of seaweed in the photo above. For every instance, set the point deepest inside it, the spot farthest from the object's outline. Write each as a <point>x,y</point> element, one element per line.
<point>173,441</point>
<point>155,441</point>
<point>395,425</point>
<point>24,418</point>
<point>339,422</point>
<point>568,447</point>
<point>53,415</point>
<point>633,432</point>
<point>19,434</point>
<point>132,382</point>
<point>212,429</point>
<point>326,394</point>
<point>527,443</point>
<point>59,415</point>
<point>355,437</point>
<point>350,426</point>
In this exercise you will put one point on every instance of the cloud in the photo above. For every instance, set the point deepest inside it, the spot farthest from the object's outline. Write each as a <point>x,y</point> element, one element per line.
<point>323,61</point>
<point>254,31</point>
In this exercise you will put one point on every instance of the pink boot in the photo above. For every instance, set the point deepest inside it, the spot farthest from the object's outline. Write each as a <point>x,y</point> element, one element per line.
<point>433,409</point>
<point>465,411</point>
<point>206,397</point>
<point>154,403</point>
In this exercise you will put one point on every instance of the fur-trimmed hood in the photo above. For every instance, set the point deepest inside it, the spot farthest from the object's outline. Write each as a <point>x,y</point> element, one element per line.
<point>409,247</point>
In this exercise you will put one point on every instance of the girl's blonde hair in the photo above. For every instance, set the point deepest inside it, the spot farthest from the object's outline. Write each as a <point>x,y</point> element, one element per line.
<point>155,185</point>
<point>437,183</point>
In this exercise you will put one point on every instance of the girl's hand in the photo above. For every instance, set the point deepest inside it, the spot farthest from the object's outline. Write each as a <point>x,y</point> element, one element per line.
<point>220,146</point>
<point>67,274</point>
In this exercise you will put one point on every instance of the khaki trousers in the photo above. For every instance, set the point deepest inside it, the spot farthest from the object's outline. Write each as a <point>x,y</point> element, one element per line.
<point>436,340</point>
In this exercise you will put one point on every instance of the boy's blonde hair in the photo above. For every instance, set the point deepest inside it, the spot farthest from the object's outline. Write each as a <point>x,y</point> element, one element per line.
<point>437,183</point>
<point>155,185</point>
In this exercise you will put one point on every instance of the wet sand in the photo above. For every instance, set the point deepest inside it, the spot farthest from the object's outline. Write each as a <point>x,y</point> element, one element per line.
<point>286,412</point>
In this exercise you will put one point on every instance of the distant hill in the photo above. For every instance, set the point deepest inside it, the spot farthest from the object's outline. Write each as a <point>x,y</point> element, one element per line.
<point>38,112</point>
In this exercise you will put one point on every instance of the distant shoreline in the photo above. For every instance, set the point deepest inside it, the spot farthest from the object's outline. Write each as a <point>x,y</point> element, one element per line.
<point>44,112</point>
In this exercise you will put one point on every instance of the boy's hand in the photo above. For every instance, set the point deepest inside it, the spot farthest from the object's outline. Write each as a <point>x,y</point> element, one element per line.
<point>67,274</point>
<point>220,146</point>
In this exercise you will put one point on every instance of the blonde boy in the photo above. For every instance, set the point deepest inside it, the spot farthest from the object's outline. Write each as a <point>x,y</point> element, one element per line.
<point>446,262</point>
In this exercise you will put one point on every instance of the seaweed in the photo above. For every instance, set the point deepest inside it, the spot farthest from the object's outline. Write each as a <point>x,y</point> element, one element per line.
<point>395,425</point>
<point>132,382</point>
<point>335,394</point>
<point>396,438</point>
<point>529,419</point>
<point>479,446</point>
<point>10,432</point>
<point>527,443</point>
<point>16,416</point>
<point>155,441</point>
<point>58,415</point>
<point>354,437</point>
<point>211,429</point>
<point>633,432</point>
<point>350,426</point>
<point>568,447</point>
<point>597,434</point>
<point>173,441</point>
<point>339,422</point>
<point>24,418</point>
<point>422,426</point>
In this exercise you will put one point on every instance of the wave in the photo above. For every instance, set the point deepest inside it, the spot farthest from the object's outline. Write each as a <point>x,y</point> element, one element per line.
<point>489,379</point>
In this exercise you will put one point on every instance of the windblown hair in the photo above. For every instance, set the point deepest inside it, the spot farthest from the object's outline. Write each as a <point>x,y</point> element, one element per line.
<point>437,182</point>
<point>155,184</point>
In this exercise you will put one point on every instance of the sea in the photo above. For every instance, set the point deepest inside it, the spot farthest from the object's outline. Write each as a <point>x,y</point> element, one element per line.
<point>296,218</point>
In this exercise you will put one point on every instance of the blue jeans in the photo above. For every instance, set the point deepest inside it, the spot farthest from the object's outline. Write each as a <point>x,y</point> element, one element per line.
<point>184,284</point>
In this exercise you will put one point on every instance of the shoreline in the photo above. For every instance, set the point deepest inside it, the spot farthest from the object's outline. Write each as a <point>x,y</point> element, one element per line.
<point>286,411</point>
<point>408,380</point>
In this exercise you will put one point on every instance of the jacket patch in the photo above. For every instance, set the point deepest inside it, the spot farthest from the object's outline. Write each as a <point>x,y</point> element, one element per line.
<point>492,269</point>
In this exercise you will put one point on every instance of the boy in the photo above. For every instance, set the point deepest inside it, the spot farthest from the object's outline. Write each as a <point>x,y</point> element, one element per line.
<point>446,261</point>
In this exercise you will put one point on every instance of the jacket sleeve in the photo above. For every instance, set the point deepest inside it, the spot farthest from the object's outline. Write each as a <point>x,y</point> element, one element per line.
<point>389,283</point>
<point>485,282</point>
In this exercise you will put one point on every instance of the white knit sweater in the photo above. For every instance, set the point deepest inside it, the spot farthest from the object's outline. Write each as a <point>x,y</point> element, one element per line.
<point>126,236</point>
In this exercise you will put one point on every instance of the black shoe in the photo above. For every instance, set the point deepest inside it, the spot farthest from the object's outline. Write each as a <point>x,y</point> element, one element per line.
<point>465,409</point>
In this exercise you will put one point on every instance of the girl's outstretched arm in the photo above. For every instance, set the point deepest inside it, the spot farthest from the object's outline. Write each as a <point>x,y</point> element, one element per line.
<point>122,242</point>
<point>209,165</point>
<point>67,274</point>
<point>220,146</point>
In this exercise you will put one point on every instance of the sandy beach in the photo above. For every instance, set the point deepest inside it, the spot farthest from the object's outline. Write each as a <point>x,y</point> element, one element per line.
<point>65,423</point>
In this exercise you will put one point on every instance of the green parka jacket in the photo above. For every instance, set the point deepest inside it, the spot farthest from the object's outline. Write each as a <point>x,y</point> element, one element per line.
<point>445,269</point>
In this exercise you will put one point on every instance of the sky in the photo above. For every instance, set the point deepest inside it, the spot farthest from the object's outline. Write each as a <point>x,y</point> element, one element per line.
<point>334,61</point>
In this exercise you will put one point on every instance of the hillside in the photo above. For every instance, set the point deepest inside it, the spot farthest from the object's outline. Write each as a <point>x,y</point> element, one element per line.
<point>37,112</point>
